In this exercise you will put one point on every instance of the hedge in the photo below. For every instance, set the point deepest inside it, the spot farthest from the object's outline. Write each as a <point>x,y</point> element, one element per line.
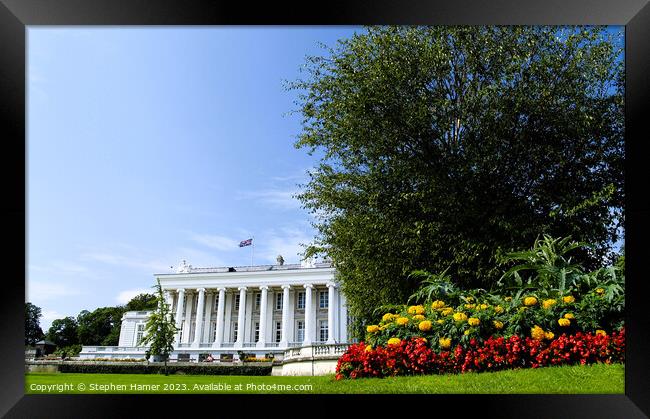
<point>171,369</point>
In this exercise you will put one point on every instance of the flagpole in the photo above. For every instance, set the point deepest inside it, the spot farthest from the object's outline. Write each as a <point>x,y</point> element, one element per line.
<point>252,249</point>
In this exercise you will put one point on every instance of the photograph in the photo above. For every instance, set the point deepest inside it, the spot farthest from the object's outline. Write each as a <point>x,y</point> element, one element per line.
<point>353,209</point>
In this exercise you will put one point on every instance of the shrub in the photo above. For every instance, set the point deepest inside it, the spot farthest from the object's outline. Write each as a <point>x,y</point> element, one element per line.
<point>553,297</point>
<point>139,368</point>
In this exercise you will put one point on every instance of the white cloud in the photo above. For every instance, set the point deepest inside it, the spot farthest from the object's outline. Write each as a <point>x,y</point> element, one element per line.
<point>278,198</point>
<point>148,265</point>
<point>126,296</point>
<point>44,291</point>
<point>214,241</point>
<point>285,242</point>
<point>48,316</point>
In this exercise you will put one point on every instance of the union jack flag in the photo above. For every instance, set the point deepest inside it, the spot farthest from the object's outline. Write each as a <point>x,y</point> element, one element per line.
<point>244,243</point>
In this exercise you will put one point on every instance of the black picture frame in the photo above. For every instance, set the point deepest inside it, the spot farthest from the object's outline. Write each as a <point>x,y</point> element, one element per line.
<point>16,15</point>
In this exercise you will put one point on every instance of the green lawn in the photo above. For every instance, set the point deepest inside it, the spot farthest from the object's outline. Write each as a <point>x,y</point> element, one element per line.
<point>598,378</point>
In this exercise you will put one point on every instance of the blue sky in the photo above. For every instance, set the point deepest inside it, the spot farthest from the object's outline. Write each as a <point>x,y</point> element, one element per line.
<point>151,145</point>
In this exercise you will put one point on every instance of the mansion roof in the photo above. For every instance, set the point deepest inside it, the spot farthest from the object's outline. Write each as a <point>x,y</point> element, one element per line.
<point>255,268</point>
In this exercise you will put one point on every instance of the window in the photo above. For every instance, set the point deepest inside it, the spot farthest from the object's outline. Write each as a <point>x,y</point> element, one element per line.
<point>236,301</point>
<point>323,298</point>
<point>216,303</point>
<point>300,331</point>
<point>258,298</point>
<point>257,331</point>
<point>234,331</point>
<point>213,331</point>
<point>301,300</point>
<point>140,333</point>
<point>278,301</point>
<point>323,330</point>
<point>278,331</point>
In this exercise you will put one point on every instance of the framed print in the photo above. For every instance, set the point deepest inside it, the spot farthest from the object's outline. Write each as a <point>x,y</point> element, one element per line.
<point>398,205</point>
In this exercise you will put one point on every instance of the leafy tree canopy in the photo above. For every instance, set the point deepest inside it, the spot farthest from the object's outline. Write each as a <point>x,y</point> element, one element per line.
<point>63,332</point>
<point>97,327</point>
<point>33,331</point>
<point>141,302</point>
<point>446,147</point>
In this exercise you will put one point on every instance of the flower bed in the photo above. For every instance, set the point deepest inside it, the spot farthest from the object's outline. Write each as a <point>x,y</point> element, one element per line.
<point>415,356</point>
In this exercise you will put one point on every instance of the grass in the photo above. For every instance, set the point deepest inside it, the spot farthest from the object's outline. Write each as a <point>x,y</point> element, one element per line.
<point>599,378</point>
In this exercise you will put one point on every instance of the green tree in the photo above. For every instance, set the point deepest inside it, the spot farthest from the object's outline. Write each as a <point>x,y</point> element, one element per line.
<point>450,146</point>
<point>141,302</point>
<point>63,332</point>
<point>160,329</point>
<point>33,331</point>
<point>99,327</point>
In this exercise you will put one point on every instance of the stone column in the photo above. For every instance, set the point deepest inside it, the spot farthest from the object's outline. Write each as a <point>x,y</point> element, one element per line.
<point>261,342</point>
<point>179,314</point>
<point>198,327</point>
<point>220,322</point>
<point>241,317</point>
<point>188,319</point>
<point>208,317</point>
<point>308,315</point>
<point>330,313</point>
<point>284,338</point>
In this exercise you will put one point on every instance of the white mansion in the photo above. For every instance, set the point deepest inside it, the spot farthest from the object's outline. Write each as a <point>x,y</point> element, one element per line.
<point>257,310</point>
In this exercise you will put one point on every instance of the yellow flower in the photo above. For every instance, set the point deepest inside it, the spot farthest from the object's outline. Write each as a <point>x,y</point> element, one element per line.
<point>498,309</point>
<point>440,321</point>
<point>569,316</point>
<point>470,299</point>
<point>508,298</point>
<point>568,299</point>
<point>445,343</point>
<point>402,321</point>
<point>473,321</point>
<point>388,317</point>
<point>447,311</point>
<point>437,304</point>
<point>470,305</point>
<point>564,322</point>
<point>600,291</point>
<point>394,341</point>
<point>418,317</point>
<point>466,332</point>
<point>368,348</point>
<point>416,310</point>
<point>549,335</point>
<point>460,317</point>
<point>530,301</point>
<point>425,326</point>
<point>548,303</point>
<point>537,333</point>
<point>372,328</point>
<point>497,324</point>
<point>483,306</point>
<point>601,332</point>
